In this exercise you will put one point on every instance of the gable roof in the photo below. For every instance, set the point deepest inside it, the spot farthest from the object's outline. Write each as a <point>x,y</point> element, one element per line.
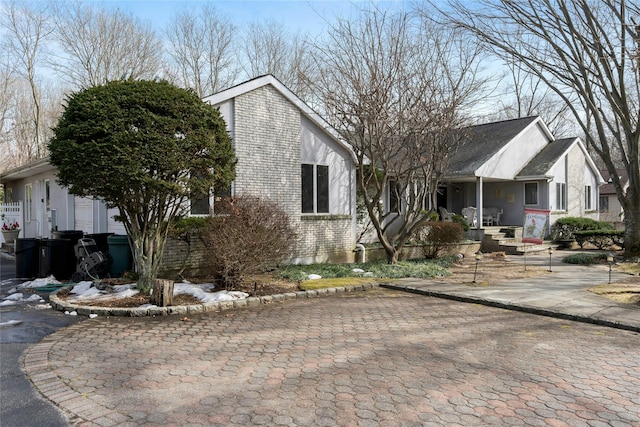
<point>258,82</point>
<point>487,140</point>
<point>540,165</point>
<point>608,188</point>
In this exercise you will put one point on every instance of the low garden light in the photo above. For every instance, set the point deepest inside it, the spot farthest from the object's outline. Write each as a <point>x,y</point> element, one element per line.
<point>475,272</point>
<point>550,250</point>
<point>610,262</point>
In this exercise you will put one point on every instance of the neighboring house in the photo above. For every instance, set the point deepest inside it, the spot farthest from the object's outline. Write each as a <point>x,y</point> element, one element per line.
<point>46,206</point>
<point>505,167</point>
<point>286,153</point>
<point>609,205</point>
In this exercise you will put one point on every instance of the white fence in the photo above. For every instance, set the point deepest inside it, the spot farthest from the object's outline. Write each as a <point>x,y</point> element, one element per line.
<point>11,213</point>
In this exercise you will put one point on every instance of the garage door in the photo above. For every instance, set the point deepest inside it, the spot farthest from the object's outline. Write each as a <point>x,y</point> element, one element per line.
<point>83,214</point>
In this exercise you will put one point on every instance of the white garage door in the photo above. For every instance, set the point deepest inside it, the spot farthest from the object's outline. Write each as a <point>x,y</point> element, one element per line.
<point>83,214</point>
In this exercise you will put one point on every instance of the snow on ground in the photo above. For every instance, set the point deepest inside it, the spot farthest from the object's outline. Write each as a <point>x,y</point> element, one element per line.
<point>204,292</point>
<point>86,291</point>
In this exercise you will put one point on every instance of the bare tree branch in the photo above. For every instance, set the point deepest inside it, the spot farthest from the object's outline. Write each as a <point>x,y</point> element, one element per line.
<point>395,86</point>
<point>100,46</point>
<point>586,52</point>
<point>201,44</point>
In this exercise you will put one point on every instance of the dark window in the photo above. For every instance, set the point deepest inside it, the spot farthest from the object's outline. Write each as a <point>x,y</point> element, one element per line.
<point>323,189</point>
<point>315,188</point>
<point>604,203</point>
<point>561,196</point>
<point>307,189</point>
<point>531,193</point>
<point>394,196</point>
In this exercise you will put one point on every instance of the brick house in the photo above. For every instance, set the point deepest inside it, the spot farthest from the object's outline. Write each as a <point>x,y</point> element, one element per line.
<point>286,152</point>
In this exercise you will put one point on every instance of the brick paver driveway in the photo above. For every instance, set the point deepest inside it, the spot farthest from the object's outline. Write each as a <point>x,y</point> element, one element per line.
<point>357,359</point>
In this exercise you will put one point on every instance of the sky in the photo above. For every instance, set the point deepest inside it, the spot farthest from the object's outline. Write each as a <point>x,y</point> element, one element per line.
<point>308,16</point>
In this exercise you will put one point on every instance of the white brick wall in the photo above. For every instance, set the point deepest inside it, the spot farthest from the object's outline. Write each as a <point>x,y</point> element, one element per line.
<point>267,137</point>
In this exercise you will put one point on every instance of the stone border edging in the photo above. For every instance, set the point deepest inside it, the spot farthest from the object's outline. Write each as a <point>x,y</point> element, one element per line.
<point>514,307</point>
<point>207,307</point>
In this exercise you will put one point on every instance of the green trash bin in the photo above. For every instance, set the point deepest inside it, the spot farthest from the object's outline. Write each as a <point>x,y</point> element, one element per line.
<point>120,252</point>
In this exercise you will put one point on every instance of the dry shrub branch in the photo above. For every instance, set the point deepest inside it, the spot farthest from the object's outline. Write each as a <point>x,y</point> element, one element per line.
<point>250,236</point>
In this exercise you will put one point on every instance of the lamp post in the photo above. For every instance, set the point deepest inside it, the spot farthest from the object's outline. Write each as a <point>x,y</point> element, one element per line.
<point>550,253</point>
<point>610,262</point>
<point>478,258</point>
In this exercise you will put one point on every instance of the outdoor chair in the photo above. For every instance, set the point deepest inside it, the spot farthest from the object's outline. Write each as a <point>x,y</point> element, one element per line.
<point>469,215</point>
<point>446,216</point>
<point>491,216</point>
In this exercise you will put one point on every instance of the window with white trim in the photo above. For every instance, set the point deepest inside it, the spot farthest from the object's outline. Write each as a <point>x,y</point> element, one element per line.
<point>315,188</point>
<point>531,193</point>
<point>587,197</point>
<point>47,194</point>
<point>561,196</point>
<point>394,196</point>
<point>28,201</point>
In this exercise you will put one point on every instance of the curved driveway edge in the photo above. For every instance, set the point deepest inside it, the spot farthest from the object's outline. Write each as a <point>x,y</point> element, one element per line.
<point>374,358</point>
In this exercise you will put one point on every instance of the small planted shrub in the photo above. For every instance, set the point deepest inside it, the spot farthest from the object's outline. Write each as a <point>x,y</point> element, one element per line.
<point>601,239</point>
<point>565,228</point>
<point>459,219</point>
<point>434,237</point>
<point>585,259</point>
<point>253,236</point>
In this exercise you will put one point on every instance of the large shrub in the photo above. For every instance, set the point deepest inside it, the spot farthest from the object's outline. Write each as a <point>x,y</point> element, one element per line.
<point>436,236</point>
<point>144,147</point>
<point>252,236</point>
<point>565,228</point>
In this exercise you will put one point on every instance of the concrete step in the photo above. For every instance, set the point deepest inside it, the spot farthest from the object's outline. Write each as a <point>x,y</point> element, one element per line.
<point>519,248</point>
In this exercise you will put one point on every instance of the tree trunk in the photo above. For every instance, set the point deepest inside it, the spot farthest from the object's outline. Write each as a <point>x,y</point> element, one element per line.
<point>632,232</point>
<point>162,295</point>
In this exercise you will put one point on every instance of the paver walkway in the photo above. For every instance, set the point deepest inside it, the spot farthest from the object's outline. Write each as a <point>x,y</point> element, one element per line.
<point>368,358</point>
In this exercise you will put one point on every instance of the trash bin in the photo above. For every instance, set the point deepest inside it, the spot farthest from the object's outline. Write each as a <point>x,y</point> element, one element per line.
<point>57,258</point>
<point>27,258</point>
<point>120,252</point>
<point>73,235</point>
<point>101,240</point>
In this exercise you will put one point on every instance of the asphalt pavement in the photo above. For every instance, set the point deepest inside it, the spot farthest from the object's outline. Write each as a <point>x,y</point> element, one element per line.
<point>22,325</point>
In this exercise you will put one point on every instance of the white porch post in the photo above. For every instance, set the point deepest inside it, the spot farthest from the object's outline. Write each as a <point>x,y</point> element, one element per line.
<point>479,200</point>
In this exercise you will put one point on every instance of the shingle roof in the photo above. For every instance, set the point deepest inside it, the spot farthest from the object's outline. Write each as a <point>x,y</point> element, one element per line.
<point>609,188</point>
<point>485,141</point>
<point>546,158</point>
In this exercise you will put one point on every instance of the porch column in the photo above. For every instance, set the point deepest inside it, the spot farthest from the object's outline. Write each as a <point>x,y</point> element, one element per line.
<point>479,192</point>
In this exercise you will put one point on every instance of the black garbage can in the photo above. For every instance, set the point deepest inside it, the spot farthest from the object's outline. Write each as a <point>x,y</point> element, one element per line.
<point>121,257</point>
<point>101,240</point>
<point>57,258</point>
<point>27,258</point>
<point>73,235</point>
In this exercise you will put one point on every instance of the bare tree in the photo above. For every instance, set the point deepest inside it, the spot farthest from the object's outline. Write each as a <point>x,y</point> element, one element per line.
<point>586,51</point>
<point>201,44</point>
<point>395,87</point>
<point>27,31</point>
<point>526,95</point>
<point>270,49</point>
<point>99,46</point>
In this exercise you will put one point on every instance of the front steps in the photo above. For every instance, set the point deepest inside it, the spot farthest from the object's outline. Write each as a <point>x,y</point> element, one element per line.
<point>508,239</point>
